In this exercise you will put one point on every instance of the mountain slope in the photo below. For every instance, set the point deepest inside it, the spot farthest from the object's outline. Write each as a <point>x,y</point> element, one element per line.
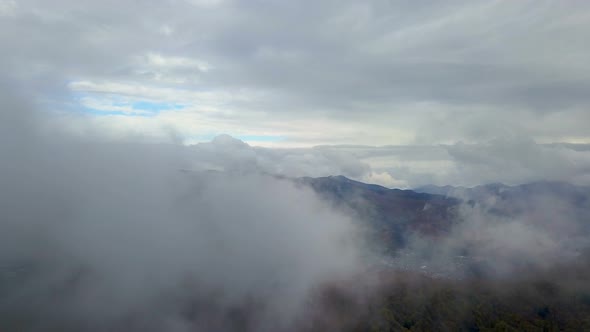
<point>393,213</point>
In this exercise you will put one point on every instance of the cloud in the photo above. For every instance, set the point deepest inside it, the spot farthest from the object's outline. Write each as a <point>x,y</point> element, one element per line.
<point>519,160</point>
<point>117,236</point>
<point>8,8</point>
<point>401,70</point>
<point>513,159</point>
<point>394,92</point>
<point>227,153</point>
<point>509,232</point>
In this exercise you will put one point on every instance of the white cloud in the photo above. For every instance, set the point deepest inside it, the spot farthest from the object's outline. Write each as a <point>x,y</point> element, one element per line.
<point>404,74</point>
<point>519,160</point>
<point>385,179</point>
<point>166,30</point>
<point>206,3</point>
<point>377,73</point>
<point>159,61</point>
<point>511,160</point>
<point>8,8</point>
<point>137,241</point>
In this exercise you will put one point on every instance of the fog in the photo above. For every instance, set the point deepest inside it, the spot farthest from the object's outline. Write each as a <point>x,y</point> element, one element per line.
<point>128,236</point>
<point>505,232</point>
<point>125,207</point>
<point>115,236</point>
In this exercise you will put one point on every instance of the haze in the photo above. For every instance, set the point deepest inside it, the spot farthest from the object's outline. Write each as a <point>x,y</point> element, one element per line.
<point>192,165</point>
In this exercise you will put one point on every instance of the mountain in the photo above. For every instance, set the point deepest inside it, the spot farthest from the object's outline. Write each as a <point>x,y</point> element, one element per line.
<point>394,214</point>
<point>397,215</point>
<point>555,198</point>
<point>456,232</point>
<point>562,189</point>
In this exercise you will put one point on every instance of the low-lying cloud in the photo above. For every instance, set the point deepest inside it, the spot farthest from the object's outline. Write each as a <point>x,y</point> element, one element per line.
<point>117,236</point>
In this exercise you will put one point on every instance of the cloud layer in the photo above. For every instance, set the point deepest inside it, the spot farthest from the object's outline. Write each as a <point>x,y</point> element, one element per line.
<point>512,160</point>
<point>102,236</point>
<point>308,73</point>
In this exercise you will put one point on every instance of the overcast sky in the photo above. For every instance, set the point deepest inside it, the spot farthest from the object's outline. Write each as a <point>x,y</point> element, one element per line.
<point>487,79</point>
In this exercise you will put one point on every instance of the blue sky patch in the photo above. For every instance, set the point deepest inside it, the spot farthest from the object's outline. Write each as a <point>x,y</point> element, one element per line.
<point>117,105</point>
<point>155,106</point>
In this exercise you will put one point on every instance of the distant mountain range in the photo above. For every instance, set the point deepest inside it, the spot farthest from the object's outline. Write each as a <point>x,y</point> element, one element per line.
<point>545,201</point>
<point>562,189</point>
<point>393,213</point>
<point>432,210</point>
<point>454,232</point>
<point>461,228</point>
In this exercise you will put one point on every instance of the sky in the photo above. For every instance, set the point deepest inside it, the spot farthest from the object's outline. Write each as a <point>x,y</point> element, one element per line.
<point>452,92</point>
